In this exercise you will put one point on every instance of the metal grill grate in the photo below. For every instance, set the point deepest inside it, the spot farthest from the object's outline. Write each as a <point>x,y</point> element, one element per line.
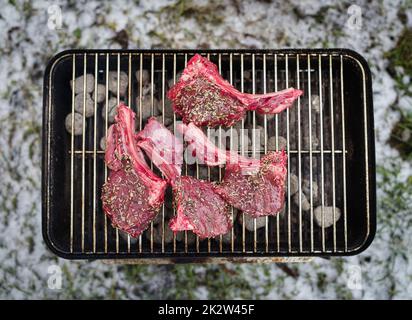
<point>323,148</point>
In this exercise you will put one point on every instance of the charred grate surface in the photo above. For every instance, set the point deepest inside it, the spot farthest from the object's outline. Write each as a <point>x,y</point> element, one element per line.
<point>328,135</point>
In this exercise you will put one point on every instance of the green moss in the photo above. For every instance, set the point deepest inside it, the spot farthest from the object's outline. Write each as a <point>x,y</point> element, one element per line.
<point>69,288</point>
<point>401,136</point>
<point>211,14</point>
<point>159,35</point>
<point>134,273</point>
<point>14,203</point>
<point>27,8</point>
<point>342,292</point>
<point>401,54</point>
<point>33,128</point>
<point>394,212</point>
<point>338,264</point>
<point>393,187</point>
<point>220,281</point>
<point>77,33</point>
<point>322,281</point>
<point>321,14</point>
<point>401,57</point>
<point>186,282</point>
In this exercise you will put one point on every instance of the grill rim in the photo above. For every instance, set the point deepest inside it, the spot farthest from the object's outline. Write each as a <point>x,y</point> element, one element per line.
<point>370,164</point>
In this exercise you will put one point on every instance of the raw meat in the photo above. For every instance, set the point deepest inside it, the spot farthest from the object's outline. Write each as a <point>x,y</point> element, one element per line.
<point>133,194</point>
<point>258,194</point>
<point>162,147</point>
<point>200,147</point>
<point>199,208</point>
<point>257,187</point>
<point>203,97</point>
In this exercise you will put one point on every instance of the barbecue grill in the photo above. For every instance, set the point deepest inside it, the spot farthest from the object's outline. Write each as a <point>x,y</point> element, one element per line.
<point>330,145</point>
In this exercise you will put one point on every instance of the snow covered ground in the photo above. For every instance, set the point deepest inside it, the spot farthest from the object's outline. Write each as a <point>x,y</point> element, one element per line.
<point>27,42</point>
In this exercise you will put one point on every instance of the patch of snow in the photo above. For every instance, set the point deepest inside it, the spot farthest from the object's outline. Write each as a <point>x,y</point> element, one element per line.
<point>27,44</point>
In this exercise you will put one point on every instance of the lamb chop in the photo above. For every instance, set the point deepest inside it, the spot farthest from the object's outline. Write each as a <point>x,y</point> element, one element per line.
<point>133,194</point>
<point>199,208</point>
<point>203,97</point>
<point>162,147</point>
<point>257,187</point>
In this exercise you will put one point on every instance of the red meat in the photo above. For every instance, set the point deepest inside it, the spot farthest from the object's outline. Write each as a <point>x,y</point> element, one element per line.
<point>203,97</point>
<point>257,187</point>
<point>199,208</point>
<point>133,194</point>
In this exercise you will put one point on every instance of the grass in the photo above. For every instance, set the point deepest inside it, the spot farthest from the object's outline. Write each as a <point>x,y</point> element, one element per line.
<point>231,281</point>
<point>394,217</point>
<point>205,15</point>
<point>135,272</point>
<point>400,65</point>
<point>401,54</point>
<point>220,281</point>
<point>400,60</point>
<point>401,135</point>
<point>396,191</point>
<point>212,13</point>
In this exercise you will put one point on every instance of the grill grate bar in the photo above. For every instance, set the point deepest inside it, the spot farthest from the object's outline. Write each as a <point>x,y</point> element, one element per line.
<point>292,151</point>
<point>333,154</point>
<point>220,146</point>
<point>163,121</point>
<point>209,169</point>
<point>208,247</point>
<point>265,128</point>
<point>254,141</point>
<point>242,144</point>
<point>129,103</point>
<point>275,72</point>
<point>321,155</point>
<point>140,121</point>
<point>106,125</point>
<point>232,234</point>
<point>174,130</point>
<point>310,156</point>
<point>83,149</point>
<point>197,237</point>
<point>129,87</point>
<point>365,128</point>
<point>118,101</point>
<point>299,157</point>
<point>345,231</point>
<point>94,152</point>
<point>72,158</point>
<point>151,113</point>
<point>288,152</point>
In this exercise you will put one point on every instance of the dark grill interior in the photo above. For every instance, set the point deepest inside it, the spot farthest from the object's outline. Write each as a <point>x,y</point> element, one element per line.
<point>331,146</point>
